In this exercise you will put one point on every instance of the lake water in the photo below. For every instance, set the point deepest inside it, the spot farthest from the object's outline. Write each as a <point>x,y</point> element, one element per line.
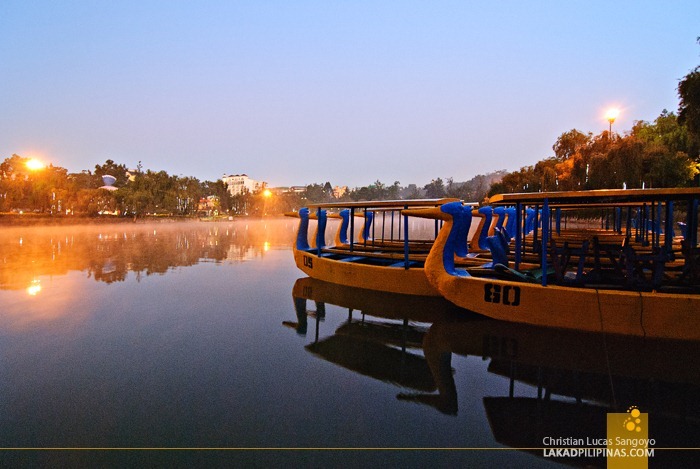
<point>203,343</point>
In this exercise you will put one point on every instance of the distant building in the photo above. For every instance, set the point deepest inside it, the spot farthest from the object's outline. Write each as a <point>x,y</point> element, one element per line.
<point>240,183</point>
<point>209,205</point>
<point>297,189</point>
<point>339,191</point>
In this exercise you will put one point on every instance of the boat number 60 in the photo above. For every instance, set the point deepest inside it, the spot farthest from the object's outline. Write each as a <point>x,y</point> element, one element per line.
<point>308,262</point>
<point>508,295</point>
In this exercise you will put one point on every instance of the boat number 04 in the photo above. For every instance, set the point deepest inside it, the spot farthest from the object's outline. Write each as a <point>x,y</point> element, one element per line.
<point>308,262</point>
<point>508,295</point>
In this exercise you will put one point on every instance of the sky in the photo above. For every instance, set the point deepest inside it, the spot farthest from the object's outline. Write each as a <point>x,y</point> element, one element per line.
<point>349,92</point>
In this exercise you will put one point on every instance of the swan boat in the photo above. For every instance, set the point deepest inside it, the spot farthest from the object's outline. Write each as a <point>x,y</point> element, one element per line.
<point>649,285</point>
<point>383,261</point>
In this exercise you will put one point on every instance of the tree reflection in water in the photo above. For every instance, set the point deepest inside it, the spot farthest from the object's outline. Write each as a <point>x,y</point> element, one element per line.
<point>108,252</point>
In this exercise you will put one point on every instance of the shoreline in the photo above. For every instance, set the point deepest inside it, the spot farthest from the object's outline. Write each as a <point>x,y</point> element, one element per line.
<point>32,219</point>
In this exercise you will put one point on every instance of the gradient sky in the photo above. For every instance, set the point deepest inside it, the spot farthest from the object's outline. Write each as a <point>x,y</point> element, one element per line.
<point>297,92</point>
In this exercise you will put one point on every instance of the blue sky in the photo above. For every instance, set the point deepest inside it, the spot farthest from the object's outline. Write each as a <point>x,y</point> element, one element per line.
<point>297,92</point>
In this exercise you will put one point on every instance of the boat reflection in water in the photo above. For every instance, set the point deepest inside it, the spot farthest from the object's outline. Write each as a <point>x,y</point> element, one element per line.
<point>577,377</point>
<point>387,350</point>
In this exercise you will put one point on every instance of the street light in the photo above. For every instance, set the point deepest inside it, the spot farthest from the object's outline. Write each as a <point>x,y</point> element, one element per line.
<point>267,193</point>
<point>34,165</point>
<point>611,115</point>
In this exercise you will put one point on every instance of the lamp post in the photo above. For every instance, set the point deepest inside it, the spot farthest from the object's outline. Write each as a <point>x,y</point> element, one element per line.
<point>34,165</point>
<point>611,115</point>
<point>267,193</point>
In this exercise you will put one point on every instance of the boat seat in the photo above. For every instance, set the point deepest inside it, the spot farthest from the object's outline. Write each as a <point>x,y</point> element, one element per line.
<point>636,264</point>
<point>403,264</point>
<point>691,266</point>
<point>503,272</point>
<point>352,259</point>
<point>561,258</point>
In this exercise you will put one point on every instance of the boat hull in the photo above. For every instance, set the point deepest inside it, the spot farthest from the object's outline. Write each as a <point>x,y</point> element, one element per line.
<point>410,281</point>
<point>646,314</point>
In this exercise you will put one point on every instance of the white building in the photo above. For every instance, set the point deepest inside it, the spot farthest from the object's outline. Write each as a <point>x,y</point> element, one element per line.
<point>241,183</point>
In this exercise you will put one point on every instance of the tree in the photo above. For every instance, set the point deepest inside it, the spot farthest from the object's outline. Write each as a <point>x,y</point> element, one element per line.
<point>666,130</point>
<point>689,108</point>
<point>218,189</point>
<point>435,189</point>
<point>328,189</point>
<point>315,193</point>
<point>666,144</point>
<point>569,143</point>
<point>112,169</point>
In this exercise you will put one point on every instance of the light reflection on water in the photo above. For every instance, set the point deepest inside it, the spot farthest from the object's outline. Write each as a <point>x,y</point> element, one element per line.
<point>200,335</point>
<point>108,252</point>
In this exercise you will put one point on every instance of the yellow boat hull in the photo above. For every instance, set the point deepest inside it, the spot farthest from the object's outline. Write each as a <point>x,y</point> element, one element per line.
<point>646,314</point>
<point>410,281</point>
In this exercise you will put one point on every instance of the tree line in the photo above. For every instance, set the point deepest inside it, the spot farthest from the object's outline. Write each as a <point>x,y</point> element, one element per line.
<point>138,192</point>
<point>656,154</point>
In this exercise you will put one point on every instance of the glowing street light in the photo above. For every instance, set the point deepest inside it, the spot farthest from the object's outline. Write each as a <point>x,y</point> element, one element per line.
<point>34,165</point>
<point>267,193</point>
<point>611,115</point>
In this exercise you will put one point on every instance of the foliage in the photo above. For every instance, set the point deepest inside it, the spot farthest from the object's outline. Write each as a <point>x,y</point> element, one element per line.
<point>689,108</point>
<point>651,155</point>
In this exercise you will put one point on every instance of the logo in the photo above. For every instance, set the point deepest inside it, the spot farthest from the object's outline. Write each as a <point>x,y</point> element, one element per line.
<point>633,423</point>
<point>629,445</point>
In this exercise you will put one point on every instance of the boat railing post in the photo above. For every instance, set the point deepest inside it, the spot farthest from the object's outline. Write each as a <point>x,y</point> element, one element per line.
<point>645,226</point>
<point>652,225</point>
<point>383,225</point>
<point>558,219</point>
<point>405,238</point>
<point>320,230</point>
<point>518,235</point>
<point>352,229</point>
<point>658,222</point>
<point>545,238</point>
<point>535,228</point>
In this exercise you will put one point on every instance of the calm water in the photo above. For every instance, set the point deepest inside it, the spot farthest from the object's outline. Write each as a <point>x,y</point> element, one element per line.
<point>205,335</point>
